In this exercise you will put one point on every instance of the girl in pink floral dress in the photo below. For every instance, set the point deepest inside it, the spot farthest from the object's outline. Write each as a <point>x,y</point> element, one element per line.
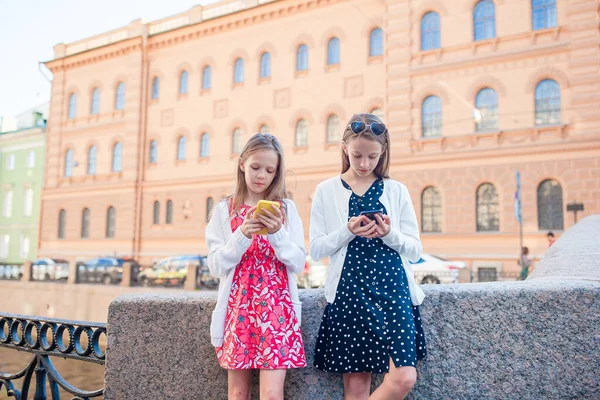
<point>256,322</point>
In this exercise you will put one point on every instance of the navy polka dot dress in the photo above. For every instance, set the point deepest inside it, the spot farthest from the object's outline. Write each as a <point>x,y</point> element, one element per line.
<point>372,317</point>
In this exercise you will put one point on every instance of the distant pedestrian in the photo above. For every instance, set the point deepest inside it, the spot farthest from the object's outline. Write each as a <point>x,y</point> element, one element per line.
<point>525,263</point>
<point>551,238</point>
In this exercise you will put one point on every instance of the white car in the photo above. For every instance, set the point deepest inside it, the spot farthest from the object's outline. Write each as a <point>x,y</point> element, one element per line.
<point>436,270</point>
<point>313,274</point>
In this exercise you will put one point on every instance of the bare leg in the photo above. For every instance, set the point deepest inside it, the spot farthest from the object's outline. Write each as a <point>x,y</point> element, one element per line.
<point>271,384</point>
<point>239,383</point>
<point>357,385</point>
<point>396,384</point>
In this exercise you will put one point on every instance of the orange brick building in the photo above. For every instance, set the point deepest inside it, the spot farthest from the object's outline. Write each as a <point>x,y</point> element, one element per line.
<point>146,120</point>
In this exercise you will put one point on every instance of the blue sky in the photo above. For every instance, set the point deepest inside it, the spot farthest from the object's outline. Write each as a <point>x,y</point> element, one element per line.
<point>30,28</point>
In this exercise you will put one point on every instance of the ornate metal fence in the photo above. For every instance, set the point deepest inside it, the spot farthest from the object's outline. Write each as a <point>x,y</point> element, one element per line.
<point>45,338</point>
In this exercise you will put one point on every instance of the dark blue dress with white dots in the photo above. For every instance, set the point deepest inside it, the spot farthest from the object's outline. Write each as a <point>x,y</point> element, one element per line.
<point>372,318</point>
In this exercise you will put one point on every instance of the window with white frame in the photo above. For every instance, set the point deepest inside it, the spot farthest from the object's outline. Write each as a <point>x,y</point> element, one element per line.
<point>4,245</point>
<point>7,204</point>
<point>28,202</point>
<point>25,245</point>
<point>10,162</point>
<point>31,159</point>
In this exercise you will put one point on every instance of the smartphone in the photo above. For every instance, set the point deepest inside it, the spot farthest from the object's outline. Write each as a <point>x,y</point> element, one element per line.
<point>260,207</point>
<point>371,214</point>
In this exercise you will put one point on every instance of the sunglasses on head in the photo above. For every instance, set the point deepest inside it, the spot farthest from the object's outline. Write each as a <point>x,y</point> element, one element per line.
<point>358,127</point>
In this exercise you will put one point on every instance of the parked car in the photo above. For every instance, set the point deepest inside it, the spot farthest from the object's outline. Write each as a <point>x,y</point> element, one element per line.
<point>106,270</point>
<point>436,270</point>
<point>172,271</point>
<point>313,274</point>
<point>11,271</point>
<point>50,269</point>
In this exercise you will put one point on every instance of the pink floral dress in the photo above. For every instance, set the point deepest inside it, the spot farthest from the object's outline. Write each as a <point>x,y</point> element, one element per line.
<point>261,328</point>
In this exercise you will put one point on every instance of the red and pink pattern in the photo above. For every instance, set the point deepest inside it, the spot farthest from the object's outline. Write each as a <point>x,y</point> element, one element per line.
<point>261,328</point>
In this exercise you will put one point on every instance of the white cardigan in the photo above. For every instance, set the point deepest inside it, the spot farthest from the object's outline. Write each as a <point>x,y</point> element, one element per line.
<point>226,248</point>
<point>330,236</point>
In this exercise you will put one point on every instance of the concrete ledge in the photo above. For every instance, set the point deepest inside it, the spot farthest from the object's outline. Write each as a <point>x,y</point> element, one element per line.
<point>518,340</point>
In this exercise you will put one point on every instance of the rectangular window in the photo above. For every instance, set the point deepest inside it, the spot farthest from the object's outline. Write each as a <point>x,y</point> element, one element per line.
<point>7,204</point>
<point>4,244</point>
<point>28,202</point>
<point>10,162</point>
<point>31,159</point>
<point>24,247</point>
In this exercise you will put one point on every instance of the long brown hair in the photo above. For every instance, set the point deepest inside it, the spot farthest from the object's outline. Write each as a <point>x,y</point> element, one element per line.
<point>382,169</point>
<point>277,190</point>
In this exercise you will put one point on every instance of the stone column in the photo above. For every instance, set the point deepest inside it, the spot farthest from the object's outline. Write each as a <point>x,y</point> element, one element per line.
<point>127,274</point>
<point>73,272</point>
<point>190,280</point>
<point>27,272</point>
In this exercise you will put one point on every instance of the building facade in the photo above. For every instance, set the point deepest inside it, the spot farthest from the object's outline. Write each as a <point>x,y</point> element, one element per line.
<point>22,154</point>
<point>146,121</point>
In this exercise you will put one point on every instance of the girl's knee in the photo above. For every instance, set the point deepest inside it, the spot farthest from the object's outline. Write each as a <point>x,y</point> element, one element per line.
<point>239,394</point>
<point>271,393</point>
<point>401,382</point>
<point>357,386</point>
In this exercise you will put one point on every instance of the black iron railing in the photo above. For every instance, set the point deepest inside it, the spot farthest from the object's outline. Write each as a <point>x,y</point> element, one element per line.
<point>45,338</point>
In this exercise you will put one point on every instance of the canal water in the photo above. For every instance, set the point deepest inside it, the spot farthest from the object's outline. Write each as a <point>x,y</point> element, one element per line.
<point>82,375</point>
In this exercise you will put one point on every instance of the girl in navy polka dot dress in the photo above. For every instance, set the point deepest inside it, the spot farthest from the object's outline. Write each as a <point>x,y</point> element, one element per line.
<point>371,323</point>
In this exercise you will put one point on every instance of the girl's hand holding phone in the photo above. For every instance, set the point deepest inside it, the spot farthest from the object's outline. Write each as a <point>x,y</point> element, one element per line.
<point>271,218</point>
<point>382,225</point>
<point>362,226</point>
<point>251,225</point>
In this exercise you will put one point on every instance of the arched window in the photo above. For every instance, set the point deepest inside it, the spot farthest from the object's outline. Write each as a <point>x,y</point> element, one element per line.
<point>333,129</point>
<point>484,20</point>
<point>206,77</point>
<point>238,71</point>
<point>120,96</point>
<point>205,145</point>
<point>72,106</point>
<point>265,65</point>
<point>95,105</point>
<point>431,117</point>
<point>431,210</point>
<point>236,141</point>
<point>487,208</point>
<point>69,163</point>
<point>333,51</point>
<point>264,129</point>
<point>85,223</point>
<point>156,213</point>
<point>547,102</point>
<point>91,166</point>
<point>153,154</point>
<point>209,207</point>
<point>169,214</point>
<point>110,222</point>
<point>376,43</point>
<point>117,158</point>
<point>155,87</point>
<point>543,14</point>
<point>486,103</point>
<point>302,133</point>
<point>550,205</point>
<point>430,31</point>
<point>183,82</point>
<point>378,112</point>
<point>302,58</point>
<point>181,148</point>
<point>62,219</point>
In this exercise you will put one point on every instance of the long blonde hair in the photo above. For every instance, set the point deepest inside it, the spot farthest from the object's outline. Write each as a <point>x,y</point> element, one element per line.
<point>277,190</point>
<point>382,169</point>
